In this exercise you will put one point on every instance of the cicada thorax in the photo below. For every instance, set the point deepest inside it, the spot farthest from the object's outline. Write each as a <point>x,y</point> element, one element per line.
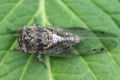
<point>33,39</point>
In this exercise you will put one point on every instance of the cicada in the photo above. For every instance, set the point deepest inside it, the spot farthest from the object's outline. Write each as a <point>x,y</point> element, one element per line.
<point>47,41</point>
<point>53,41</point>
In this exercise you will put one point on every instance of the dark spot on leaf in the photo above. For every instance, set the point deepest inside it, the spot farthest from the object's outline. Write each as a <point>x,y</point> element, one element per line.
<point>102,32</point>
<point>94,49</point>
<point>102,49</point>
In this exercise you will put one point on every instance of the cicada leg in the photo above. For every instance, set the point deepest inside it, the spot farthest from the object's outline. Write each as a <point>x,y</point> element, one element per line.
<point>17,49</point>
<point>13,31</point>
<point>41,60</point>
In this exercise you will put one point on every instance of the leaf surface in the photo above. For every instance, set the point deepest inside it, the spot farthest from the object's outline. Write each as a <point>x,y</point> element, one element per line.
<point>90,14</point>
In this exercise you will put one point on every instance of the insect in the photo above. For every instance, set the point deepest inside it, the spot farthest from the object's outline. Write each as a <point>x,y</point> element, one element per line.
<point>50,41</point>
<point>47,41</point>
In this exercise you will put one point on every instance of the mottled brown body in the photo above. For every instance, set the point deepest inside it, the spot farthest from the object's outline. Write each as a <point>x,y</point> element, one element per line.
<point>47,41</point>
<point>36,40</point>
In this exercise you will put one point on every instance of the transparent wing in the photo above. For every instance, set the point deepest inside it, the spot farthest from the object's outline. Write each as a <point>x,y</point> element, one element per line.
<point>60,50</point>
<point>94,40</point>
<point>71,52</point>
<point>88,34</point>
<point>66,53</point>
<point>87,46</point>
<point>85,33</point>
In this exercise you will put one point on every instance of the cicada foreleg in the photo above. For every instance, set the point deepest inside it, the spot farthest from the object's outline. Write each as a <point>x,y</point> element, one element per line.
<point>41,60</point>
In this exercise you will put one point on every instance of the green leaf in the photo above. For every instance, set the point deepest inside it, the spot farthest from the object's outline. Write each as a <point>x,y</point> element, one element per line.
<point>91,14</point>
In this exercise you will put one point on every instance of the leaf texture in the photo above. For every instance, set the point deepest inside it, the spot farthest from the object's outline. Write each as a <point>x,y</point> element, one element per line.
<point>90,14</point>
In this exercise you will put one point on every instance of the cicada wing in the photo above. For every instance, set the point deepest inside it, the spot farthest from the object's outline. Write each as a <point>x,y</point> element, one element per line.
<point>92,37</point>
<point>90,34</point>
<point>71,52</point>
<point>88,45</point>
<point>60,50</point>
<point>65,53</point>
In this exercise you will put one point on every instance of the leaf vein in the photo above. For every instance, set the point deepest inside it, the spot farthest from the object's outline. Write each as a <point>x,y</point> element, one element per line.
<point>114,61</point>
<point>25,67</point>
<point>107,13</point>
<point>7,53</point>
<point>17,4</point>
